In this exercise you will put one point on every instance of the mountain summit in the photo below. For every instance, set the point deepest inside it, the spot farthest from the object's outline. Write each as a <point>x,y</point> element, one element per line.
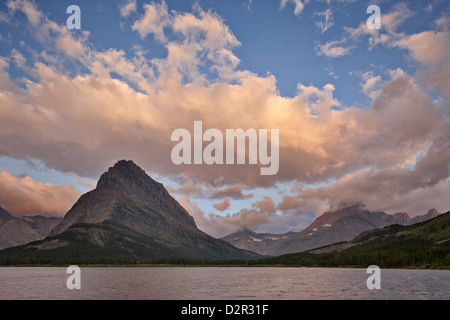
<point>130,179</point>
<point>124,180</point>
<point>127,218</point>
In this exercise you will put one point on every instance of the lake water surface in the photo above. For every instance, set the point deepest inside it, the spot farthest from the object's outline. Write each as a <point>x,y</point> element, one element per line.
<point>239,283</point>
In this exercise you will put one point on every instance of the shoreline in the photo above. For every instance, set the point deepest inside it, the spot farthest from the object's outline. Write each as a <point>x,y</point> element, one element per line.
<point>211,266</point>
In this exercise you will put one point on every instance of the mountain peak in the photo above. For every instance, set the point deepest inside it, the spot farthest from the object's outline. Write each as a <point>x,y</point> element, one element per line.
<point>122,175</point>
<point>127,179</point>
<point>4,215</point>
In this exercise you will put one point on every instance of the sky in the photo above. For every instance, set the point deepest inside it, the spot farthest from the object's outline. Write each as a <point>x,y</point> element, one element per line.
<point>362,113</point>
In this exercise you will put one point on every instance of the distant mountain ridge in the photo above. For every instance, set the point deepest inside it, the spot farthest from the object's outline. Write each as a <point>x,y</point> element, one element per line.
<point>43,225</point>
<point>262,243</point>
<point>421,245</point>
<point>127,218</point>
<point>14,231</point>
<point>333,226</point>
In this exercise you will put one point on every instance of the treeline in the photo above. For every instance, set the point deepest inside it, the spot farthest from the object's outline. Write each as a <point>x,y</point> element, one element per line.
<point>94,256</point>
<point>399,253</point>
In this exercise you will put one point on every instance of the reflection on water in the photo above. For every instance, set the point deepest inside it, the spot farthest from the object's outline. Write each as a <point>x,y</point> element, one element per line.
<point>202,283</point>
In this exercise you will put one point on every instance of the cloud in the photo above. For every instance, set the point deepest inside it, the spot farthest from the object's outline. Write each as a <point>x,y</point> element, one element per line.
<point>332,49</point>
<point>18,59</point>
<point>384,36</point>
<point>248,6</point>
<point>266,205</point>
<point>323,26</point>
<point>4,18</point>
<point>153,21</point>
<point>24,196</point>
<point>262,216</point>
<point>370,83</point>
<point>234,192</point>
<point>80,181</point>
<point>429,48</point>
<point>49,33</point>
<point>110,121</point>
<point>126,8</point>
<point>258,215</point>
<point>29,8</point>
<point>432,50</point>
<point>299,5</point>
<point>395,188</point>
<point>222,206</point>
<point>291,202</point>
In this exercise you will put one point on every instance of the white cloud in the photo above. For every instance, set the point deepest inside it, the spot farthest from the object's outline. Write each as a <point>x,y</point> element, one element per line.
<point>18,59</point>
<point>153,21</point>
<point>327,23</point>
<point>333,49</point>
<point>48,33</point>
<point>299,5</point>
<point>127,7</point>
<point>370,84</point>
<point>248,6</point>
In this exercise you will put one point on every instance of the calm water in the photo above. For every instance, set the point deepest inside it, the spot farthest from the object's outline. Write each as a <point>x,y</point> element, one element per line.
<point>222,283</point>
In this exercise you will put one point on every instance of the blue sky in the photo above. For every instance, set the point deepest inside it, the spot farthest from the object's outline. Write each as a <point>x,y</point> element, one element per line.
<point>354,106</point>
<point>273,39</point>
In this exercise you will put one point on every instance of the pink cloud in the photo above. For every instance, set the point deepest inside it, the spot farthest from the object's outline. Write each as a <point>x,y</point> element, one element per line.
<point>22,196</point>
<point>234,192</point>
<point>222,206</point>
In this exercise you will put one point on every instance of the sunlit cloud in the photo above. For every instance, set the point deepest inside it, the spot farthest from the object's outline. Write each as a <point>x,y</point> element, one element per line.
<point>24,196</point>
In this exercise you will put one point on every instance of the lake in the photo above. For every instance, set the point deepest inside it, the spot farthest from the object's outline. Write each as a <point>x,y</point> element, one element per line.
<point>221,283</point>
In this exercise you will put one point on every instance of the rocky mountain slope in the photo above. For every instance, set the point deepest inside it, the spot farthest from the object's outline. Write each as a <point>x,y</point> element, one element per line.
<point>41,224</point>
<point>333,226</point>
<point>421,245</point>
<point>15,231</point>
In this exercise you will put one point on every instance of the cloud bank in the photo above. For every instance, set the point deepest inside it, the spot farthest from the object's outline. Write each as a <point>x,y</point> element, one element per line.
<point>24,196</point>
